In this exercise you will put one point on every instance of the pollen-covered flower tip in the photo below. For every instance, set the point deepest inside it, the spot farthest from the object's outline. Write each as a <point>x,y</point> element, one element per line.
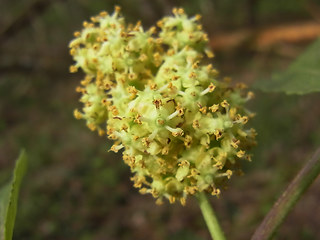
<point>180,128</point>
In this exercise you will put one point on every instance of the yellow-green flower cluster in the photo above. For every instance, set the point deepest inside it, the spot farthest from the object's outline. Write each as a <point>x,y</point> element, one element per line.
<point>181,130</point>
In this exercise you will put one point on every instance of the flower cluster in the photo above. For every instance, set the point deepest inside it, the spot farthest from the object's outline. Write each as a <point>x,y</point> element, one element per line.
<point>181,130</point>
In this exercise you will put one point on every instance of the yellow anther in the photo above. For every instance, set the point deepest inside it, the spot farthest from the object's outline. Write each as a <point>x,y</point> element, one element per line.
<point>92,127</point>
<point>191,190</point>
<point>77,114</point>
<point>170,52</point>
<point>146,142</point>
<point>116,147</point>
<point>85,24</point>
<point>81,90</point>
<point>159,40</point>
<point>218,165</point>
<point>250,95</point>
<point>175,10</point>
<point>113,110</point>
<point>203,110</point>
<point>112,137</point>
<point>153,86</point>
<point>103,14</point>
<point>165,150</point>
<point>154,193</point>
<point>94,19</point>
<point>192,75</point>
<point>181,11</point>
<point>143,57</point>
<point>195,65</point>
<point>232,113</point>
<point>214,108</point>
<point>105,102</point>
<point>224,104</point>
<point>172,199</point>
<point>211,87</point>
<point>137,119</point>
<point>209,53</point>
<point>174,78</point>
<point>160,24</point>
<point>159,201</point>
<point>160,121</point>
<point>117,9</point>
<point>195,124</point>
<point>229,173</point>
<point>180,110</point>
<point>253,132</point>
<point>177,133</point>
<point>218,134</point>
<point>124,128</point>
<point>240,154</point>
<point>73,69</point>
<point>135,138</point>
<point>194,172</point>
<point>244,119</point>
<point>133,91</point>
<point>197,17</point>
<point>157,103</point>
<point>86,81</point>
<point>170,86</point>
<point>110,130</point>
<point>235,143</point>
<point>101,132</point>
<point>184,163</point>
<point>157,58</point>
<point>216,192</point>
<point>123,35</point>
<point>143,190</point>
<point>88,104</point>
<point>152,30</point>
<point>187,141</point>
<point>77,34</point>
<point>73,51</point>
<point>183,201</point>
<point>206,39</point>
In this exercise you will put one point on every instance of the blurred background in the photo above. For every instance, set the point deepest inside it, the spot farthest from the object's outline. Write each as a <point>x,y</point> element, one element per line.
<point>76,189</point>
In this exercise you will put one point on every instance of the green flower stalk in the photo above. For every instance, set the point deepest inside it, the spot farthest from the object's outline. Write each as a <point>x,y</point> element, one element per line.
<point>180,129</point>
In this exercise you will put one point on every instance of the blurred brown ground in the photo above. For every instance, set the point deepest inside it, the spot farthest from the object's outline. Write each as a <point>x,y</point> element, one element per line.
<point>76,189</point>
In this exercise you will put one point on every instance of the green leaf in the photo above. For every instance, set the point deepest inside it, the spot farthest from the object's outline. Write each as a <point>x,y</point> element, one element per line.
<point>302,76</point>
<point>9,198</point>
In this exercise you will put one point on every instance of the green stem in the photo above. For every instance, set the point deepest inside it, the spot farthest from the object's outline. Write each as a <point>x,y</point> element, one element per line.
<point>210,218</point>
<point>288,198</point>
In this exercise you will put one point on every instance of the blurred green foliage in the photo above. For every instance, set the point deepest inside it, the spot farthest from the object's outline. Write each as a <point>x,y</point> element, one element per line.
<point>76,189</point>
<point>9,198</point>
<point>302,76</point>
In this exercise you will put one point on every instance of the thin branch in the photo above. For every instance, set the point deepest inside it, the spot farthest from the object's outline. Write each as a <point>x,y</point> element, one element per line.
<point>259,39</point>
<point>288,198</point>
